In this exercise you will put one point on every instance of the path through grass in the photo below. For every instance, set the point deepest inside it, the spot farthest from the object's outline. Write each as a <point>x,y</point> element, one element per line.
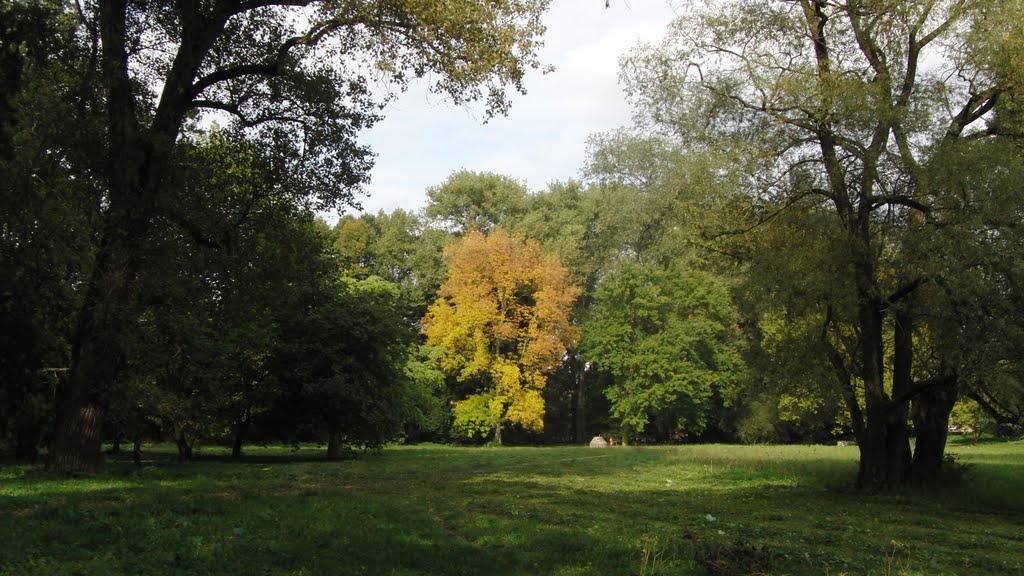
<point>558,511</point>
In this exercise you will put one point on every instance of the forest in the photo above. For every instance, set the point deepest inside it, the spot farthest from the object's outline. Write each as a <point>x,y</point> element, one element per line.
<point>810,234</point>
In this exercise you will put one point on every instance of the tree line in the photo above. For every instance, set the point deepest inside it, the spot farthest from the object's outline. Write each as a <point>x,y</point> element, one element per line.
<point>809,233</point>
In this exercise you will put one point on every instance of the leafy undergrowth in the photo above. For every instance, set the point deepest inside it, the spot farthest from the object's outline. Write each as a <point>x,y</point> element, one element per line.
<point>722,510</point>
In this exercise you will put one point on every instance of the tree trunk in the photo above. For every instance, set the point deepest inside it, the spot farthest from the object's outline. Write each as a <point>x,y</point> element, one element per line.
<point>897,441</point>
<point>335,448</point>
<point>97,351</point>
<point>874,462</point>
<point>581,402</point>
<point>930,412</point>
<point>241,430</point>
<point>76,438</point>
<point>497,433</point>
<point>136,162</point>
<point>98,344</point>
<point>184,447</point>
<point>137,449</point>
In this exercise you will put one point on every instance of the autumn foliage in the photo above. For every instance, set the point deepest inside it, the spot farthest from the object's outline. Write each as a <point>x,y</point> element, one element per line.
<point>502,315</point>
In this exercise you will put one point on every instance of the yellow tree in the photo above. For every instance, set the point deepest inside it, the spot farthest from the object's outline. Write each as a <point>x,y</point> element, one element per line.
<point>502,315</point>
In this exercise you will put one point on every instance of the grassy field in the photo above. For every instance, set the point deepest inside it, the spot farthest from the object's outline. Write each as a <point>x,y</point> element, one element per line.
<point>559,511</point>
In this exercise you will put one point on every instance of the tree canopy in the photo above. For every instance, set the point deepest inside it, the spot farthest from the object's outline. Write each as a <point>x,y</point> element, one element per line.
<point>809,233</point>
<point>851,108</point>
<point>502,317</point>
<point>290,78</point>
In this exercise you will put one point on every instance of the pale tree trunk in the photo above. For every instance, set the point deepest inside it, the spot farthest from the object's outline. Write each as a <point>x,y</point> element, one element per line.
<point>581,402</point>
<point>184,446</point>
<point>335,447</point>
<point>241,431</point>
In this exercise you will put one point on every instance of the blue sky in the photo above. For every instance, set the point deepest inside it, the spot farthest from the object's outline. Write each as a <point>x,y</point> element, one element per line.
<point>423,139</point>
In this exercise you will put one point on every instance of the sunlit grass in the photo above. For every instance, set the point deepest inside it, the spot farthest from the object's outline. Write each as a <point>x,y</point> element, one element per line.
<point>561,511</point>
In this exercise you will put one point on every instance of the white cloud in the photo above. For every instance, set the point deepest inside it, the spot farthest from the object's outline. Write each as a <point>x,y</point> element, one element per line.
<point>423,139</point>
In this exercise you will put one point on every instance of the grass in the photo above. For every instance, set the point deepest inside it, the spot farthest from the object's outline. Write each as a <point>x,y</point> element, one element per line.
<point>559,511</point>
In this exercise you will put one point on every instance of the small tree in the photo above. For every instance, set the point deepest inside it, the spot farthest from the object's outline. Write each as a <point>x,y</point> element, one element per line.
<point>502,315</point>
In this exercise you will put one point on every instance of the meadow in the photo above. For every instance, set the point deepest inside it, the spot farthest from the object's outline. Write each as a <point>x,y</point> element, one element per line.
<point>560,511</point>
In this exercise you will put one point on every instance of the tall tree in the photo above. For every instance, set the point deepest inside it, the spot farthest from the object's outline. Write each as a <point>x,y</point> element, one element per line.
<point>502,316</point>
<point>49,193</point>
<point>475,201</point>
<point>343,362</point>
<point>668,337</point>
<point>847,106</point>
<point>293,76</point>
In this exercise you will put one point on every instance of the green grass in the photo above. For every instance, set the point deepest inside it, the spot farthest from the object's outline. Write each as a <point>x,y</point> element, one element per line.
<point>563,511</point>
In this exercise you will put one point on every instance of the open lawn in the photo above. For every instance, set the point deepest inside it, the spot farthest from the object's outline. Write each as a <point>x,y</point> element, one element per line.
<point>560,511</point>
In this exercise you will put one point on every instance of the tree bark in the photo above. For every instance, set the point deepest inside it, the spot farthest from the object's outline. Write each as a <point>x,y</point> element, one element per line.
<point>497,433</point>
<point>184,446</point>
<point>873,470</point>
<point>581,402</point>
<point>335,448</point>
<point>930,411</point>
<point>241,430</point>
<point>136,162</point>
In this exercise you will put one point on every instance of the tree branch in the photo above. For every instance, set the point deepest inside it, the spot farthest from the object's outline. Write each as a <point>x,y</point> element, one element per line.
<point>194,231</point>
<point>899,200</point>
<point>976,106</point>
<point>922,387</point>
<point>904,291</point>
<point>845,379</point>
<point>988,405</point>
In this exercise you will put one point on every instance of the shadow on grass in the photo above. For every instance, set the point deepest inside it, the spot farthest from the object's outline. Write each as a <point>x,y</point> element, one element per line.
<point>517,511</point>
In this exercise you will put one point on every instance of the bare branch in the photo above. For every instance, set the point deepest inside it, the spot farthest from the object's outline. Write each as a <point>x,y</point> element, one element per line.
<point>193,229</point>
<point>904,291</point>
<point>899,200</point>
<point>976,106</point>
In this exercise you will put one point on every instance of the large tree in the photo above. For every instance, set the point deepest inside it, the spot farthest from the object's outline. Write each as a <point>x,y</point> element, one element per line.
<point>502,316</point>
<point>475,201</point>
<point>216,292</point>
<point>49,138</point>
<point>669,339</point>
<point>342,362</point>
<point>850,108</point>
<point>293,76</point>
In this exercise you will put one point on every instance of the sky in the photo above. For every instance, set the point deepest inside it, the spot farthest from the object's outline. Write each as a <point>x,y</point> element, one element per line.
<point>423,139</point>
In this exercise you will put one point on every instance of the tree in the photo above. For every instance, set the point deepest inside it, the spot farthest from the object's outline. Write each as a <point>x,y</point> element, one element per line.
<point>847,107</point>
<point>343,363</point>
<point>398,247</point>
<point>567,220</point>
<point>48,214</point>
<point>292,76</point>
<point>668,337</point>
<point>475,201</point>
<point>793,392</point>
<point>502,316</point>
<point>216,292</point>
